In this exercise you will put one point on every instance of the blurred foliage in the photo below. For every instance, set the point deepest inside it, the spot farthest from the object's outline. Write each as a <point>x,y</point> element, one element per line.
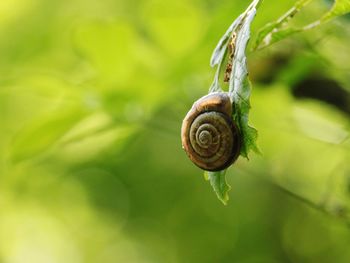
<point>92,95</point>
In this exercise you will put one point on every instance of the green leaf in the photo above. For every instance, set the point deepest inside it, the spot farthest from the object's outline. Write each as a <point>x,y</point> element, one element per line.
<point>239,87</point>
<point>219,184</point>
<point>239,90</point>
<point>340,7</point>
<point>271,32</point>
<point>241,117</point>
<point>278,36</point>
<point>221,47</point>
<point>220,51</point>
<point>278,30</point>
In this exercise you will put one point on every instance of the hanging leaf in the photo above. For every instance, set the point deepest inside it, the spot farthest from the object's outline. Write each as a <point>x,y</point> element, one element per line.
<point>221,47</point>
<point>218,182</point>
<point>239,89</point>
<point>219,53</point>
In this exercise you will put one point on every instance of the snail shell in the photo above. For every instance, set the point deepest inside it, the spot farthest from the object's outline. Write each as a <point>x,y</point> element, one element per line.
<point>209,136</point>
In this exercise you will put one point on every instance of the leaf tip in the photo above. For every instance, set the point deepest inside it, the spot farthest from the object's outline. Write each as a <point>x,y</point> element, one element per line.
<point>219,184</point>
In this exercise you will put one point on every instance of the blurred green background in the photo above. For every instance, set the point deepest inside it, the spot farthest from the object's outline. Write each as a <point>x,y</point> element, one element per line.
<point>92,96</point>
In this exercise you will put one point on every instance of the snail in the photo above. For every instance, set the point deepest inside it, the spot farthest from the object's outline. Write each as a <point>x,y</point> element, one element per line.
<point>209,136</point>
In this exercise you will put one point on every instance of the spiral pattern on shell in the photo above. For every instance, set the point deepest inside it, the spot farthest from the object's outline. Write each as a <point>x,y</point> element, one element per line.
<point>209,136</point>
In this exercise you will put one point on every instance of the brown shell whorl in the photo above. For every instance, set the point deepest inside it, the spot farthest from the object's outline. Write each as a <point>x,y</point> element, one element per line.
<point>209,136</point>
